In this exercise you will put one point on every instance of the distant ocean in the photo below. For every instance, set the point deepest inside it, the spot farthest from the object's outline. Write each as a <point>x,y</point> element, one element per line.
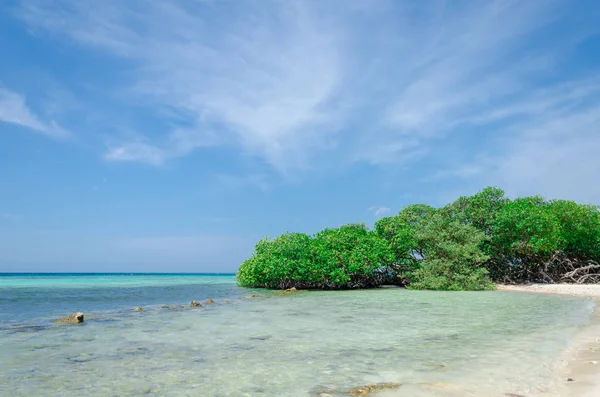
<point>303,344</point>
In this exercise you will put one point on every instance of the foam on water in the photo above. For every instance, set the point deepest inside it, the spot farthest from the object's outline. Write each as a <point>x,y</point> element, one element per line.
<point>434,344</point>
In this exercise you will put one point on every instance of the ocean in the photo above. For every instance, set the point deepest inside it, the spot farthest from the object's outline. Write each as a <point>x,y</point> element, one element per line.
<point>309,343</point>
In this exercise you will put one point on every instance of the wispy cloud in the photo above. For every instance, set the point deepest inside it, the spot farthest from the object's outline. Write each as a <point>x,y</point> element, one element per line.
<point>178,143</point>
<point>14,110</point>
<point>258,71</point>
<point>545,145</point>
<point>557,157</point>
<point>467,84</point>
<point>378,211</point>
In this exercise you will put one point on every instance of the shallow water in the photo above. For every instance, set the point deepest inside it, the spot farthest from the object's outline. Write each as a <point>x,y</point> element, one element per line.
<point>433,343</point>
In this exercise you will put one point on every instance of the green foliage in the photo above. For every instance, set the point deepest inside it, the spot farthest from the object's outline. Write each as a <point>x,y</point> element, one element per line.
<point>277,262</point>
<point>526,228</point>
<point>479,210</point>
<point>580,228</point>
<point>347,257</point>
<point>452,257</point>
<point>356,256</point>
<point>398,231</point>
<point>460,246</point>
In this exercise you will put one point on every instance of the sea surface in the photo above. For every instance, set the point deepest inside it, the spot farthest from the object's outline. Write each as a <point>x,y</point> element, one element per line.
<point>280,344</point>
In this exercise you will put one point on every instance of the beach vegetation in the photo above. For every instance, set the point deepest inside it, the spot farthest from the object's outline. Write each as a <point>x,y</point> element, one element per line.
<point>469,244</point>
<point>452,258</point>
<point>351,256</point>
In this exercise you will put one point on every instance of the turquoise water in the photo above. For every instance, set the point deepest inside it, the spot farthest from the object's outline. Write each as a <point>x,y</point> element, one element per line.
<point>303,344</point>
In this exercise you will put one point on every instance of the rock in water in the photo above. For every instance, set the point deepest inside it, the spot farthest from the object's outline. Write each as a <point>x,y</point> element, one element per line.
<point>138,309</point>
<point>286,291</point>
<point>209,301</point>
<point>362,390</point>
<point>195,304</point>
<point>75,318</point>
<point>254,296</point>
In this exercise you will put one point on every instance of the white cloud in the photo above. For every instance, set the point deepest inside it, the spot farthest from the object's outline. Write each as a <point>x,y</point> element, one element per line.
<point>483,88</point>
<point>261,70</point>
<point>379,211</point>
<point>547,144</point>
<point>179,142</point>
<point>14,110</point>
<point>558,157</point>
<point>137,151</point>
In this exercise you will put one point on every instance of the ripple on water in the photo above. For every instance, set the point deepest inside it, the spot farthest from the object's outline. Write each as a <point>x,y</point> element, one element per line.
<point>431,343</point>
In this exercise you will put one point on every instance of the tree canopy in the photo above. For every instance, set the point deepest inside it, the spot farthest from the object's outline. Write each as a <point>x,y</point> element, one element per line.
<point>466,245</point>
<point>347,257</point>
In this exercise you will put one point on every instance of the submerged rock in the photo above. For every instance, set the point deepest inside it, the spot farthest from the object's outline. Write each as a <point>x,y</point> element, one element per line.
<point>287,291</point>
<point>195,304</point>
<point>24,328</point>
<point>323,391</point>
<point>135,350</point>
<point>82,358</point>
<point>363,390</point>
<point>209,302</point>
<point>430,367</point>
<point>437,385</point>
<point>138,309</point>
<point>254,296</point>
<point>171,307</point>
<point>74,318</point>
<point>261,337</point>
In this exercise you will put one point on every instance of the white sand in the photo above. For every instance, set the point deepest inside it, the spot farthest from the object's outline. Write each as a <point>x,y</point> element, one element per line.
<point>586,290</point>
<point>581,361</point>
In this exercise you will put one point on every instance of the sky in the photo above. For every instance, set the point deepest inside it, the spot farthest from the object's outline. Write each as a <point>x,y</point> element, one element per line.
<point>146,136</point>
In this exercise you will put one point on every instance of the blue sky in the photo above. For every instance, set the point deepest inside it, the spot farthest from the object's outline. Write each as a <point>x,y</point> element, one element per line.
<point>170,136</point>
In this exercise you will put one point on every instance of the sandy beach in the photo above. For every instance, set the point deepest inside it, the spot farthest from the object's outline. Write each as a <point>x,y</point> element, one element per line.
<point>578,371</point>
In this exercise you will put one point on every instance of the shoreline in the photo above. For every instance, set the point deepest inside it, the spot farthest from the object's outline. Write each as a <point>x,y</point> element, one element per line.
<point>580,361</point>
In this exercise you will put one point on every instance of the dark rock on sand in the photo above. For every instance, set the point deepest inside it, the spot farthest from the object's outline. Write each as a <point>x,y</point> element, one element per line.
<point>195,304</point>
<point>75,318</point>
